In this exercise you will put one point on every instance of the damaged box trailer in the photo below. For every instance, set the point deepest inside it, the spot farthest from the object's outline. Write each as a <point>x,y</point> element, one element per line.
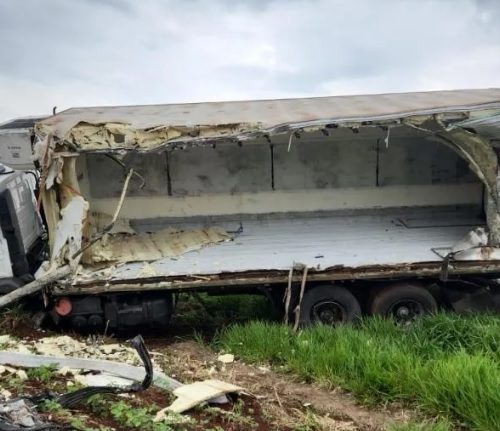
<point>331,206</point>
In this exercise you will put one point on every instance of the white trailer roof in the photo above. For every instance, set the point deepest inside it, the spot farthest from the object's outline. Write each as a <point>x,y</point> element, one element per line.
<point>150,126</point>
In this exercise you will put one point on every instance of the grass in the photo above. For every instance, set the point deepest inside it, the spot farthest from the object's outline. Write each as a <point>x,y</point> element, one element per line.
<point>439,425</point>
<point>445,365</point>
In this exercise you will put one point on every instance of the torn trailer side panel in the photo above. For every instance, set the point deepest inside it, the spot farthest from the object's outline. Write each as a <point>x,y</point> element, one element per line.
<point>195,195</point>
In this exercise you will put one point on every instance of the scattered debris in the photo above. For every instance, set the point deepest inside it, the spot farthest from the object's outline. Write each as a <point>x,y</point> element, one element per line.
<point>226,359</point>
<point>111,377</point>
<point>73,398</point>
<point>65,363</point>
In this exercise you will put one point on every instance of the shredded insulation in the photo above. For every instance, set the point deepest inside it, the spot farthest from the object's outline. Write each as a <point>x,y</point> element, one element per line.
<point>125,247</point>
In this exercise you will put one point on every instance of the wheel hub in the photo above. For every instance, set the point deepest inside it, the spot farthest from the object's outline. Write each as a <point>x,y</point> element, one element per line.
<point>406,311</point>
<point>328,312</point>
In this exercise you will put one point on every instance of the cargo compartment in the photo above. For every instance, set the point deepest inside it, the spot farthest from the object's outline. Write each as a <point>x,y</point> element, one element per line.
<point>354,198</point>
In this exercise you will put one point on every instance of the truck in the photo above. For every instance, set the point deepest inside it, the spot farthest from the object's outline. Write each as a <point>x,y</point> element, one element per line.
<point>332,207</point>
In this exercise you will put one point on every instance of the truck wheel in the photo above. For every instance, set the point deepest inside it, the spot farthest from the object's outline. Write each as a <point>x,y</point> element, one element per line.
<point>329,305</point>
<point>404,302</point>
<point>9,285</point>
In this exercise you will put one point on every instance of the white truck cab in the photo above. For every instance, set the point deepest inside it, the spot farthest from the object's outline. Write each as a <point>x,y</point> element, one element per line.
<point>5,265</point>
<point>21,229</point>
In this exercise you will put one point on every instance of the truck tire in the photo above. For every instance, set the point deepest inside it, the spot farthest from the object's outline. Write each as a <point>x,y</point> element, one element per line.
<point>404,302</point>
<point>9,285</point>
<point>329,305</point>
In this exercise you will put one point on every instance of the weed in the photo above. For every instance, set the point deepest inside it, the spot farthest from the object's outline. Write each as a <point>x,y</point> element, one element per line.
<point>238,407</point>
<point>142,417</point>
<point>234,416</point>
<point>98,404</point>
<point>16,384</point>
<point>80,424</point>
<point>309,422</point>
<point>51,406</point>
<point>43,374</point>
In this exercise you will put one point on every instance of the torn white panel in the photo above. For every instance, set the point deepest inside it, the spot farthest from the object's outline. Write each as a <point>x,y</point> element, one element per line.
<point>54,173</point>
<point>40,149</point>
<point>477,237</point>
<point>479,253</point>
<point>105,379</point>
<point>68,236</point>
<point>189,396</point>
<point>153,246</point>
<point>474,246</point>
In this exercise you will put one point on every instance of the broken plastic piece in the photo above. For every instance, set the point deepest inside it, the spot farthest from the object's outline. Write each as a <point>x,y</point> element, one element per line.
<point>189,396</point>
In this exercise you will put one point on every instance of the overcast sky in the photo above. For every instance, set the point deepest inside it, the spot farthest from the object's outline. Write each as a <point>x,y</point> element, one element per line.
<point>105,52</point>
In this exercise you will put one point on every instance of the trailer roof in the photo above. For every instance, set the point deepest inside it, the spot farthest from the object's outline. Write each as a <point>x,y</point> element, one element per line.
<point>150,126</point>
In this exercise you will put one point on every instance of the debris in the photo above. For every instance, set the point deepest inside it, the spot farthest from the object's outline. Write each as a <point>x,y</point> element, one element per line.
<point>20,415</point>
<point>148,271</point>
<point>64,363</point>
<point>226,359</point>
<point>102,379</point>
<point>189,396</point>
<point>114,375</point>
<point>5,339</point>
<point>278,398</point>
<point>169,242</point>
<point>5,394</point>
<point>301,296</point>
<point>21,374</point>
<point>75,397</point>
<point>68,234</point>
<point>23,349</point>
<point>475,238</point>
<point>65,371</point>
<point>108,227</point>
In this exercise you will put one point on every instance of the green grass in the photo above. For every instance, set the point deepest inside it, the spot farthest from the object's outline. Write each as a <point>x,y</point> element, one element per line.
<point>445,364</point>
<point>439,425</point>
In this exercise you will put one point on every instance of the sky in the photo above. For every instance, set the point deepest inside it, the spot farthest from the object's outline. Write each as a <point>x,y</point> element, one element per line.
<point>68,53</point>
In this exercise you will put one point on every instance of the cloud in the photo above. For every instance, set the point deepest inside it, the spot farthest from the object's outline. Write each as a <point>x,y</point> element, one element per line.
<point>92,52</point>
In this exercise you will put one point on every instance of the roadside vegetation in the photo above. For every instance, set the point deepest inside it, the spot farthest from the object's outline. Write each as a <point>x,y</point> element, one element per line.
<point>445,366</point>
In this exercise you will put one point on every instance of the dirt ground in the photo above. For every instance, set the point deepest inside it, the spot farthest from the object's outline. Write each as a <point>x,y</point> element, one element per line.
<point>287,400</point>
<point>273,400</point>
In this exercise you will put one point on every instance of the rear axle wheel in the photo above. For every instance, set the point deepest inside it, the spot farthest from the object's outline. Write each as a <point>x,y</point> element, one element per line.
<point>329,305</point>
<point>403,302</point>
